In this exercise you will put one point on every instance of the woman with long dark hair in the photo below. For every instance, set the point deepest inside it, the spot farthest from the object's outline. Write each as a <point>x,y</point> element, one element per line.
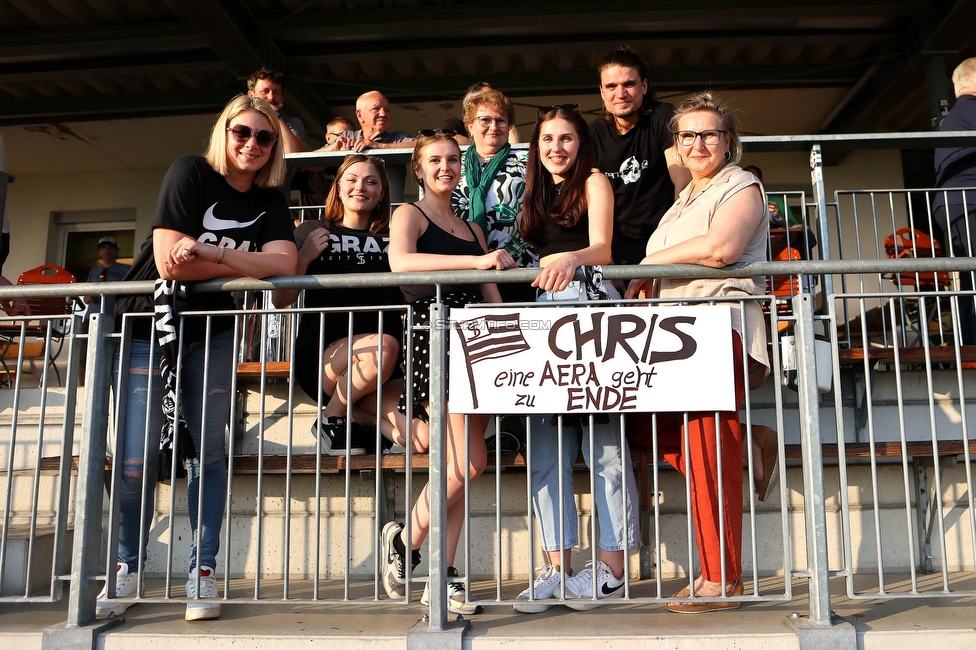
<point>352,237</point>
<point>568,217</point>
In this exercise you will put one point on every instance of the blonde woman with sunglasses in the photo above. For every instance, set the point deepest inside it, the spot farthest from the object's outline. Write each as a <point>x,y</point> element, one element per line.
<point>218,216</point>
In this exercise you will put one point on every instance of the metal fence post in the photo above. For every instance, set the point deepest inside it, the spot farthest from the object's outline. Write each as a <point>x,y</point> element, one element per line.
<point>81,631</point>
<point>820,200</point>
<point>822,629</point>
<point>438,633</point>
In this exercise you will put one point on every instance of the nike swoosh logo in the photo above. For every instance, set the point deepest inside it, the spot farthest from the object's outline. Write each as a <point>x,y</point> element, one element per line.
<point>607,592</point>
<point>211,222</point>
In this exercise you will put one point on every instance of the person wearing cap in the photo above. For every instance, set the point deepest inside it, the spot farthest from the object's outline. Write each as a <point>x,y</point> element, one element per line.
<point>108,271</point>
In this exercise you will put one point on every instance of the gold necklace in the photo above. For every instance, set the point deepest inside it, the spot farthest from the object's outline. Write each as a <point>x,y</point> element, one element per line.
<point>450,219</point>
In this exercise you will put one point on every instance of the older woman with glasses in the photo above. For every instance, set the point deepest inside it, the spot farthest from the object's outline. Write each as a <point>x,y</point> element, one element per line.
<point>720,218</point>
<point>492,184</point>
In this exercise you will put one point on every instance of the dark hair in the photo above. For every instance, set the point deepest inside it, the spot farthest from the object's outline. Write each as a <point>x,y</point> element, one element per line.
<point>758,172</point>
<point>711,102</point>
<point>542,203</point>
<point>625,58</point>
<point>424,141</point>
<point>264,73</point>
<point>379,220</point>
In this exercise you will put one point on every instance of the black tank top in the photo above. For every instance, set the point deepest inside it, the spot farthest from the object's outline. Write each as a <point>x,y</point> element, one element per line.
<point>563,240</point>
<point>437,241</point>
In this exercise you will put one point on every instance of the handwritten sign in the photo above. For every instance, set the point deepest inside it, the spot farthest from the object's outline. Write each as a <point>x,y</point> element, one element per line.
<point>591,359</point>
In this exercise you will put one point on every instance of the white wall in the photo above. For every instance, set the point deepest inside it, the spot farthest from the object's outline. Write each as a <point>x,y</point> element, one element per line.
<point>33,198</point>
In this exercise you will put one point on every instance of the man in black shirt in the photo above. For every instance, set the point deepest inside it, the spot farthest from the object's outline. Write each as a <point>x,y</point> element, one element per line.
<point>635,149</point>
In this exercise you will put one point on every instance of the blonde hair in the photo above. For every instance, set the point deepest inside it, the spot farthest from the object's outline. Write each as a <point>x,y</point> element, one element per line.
<point>964,77</point>
<point>272,174</point>
<point>711,103</point>
<point>488,97</point>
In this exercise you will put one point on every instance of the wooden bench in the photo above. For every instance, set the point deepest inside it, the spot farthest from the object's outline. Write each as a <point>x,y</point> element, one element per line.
<point>914,355</point>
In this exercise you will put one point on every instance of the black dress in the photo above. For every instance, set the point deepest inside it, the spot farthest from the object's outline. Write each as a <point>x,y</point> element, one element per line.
<point>437,241</point>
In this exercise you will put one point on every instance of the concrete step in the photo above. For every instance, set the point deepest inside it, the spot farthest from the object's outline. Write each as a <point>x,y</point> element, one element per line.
<point>879,625</point>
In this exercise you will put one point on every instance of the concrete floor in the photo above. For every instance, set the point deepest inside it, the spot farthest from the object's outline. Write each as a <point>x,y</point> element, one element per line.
<point>933,623</point>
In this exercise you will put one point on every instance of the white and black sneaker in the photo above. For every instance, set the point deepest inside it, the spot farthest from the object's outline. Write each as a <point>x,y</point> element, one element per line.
<point>126,584</point>
<point>333,436</point>
<point>543,591</point>
<point>457,602</point>
<point>579,589</point>
<point>394,566</point>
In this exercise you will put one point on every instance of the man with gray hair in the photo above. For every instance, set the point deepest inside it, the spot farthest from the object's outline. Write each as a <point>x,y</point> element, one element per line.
<point>955,211</point>
<point>373,113</point>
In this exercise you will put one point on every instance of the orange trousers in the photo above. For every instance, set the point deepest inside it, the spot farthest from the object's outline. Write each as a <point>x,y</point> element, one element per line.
<point>703,453</point>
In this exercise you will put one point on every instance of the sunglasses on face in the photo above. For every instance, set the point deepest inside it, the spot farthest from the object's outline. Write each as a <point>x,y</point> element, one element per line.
<point>430,133</point>
<point>264,138</point>
<point>545,110</point>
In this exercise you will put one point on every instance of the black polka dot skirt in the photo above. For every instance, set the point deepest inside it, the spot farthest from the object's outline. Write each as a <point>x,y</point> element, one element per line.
<point>420,377</point>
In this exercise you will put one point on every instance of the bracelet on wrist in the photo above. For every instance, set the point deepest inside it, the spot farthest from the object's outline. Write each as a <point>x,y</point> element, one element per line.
<point>221,251</point>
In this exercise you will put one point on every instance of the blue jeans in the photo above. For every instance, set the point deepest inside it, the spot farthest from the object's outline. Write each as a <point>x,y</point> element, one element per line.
<point>613,470</point>
<point>612,467</point>
<point>139,443</point>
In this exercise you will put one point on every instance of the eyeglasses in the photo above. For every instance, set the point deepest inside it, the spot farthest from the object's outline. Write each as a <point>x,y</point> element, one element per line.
<point>264,138</point>
<point>545,110</point>
<point>430,133</point>
<point>334,136</point>
<point>687,138</point>
<point>486,122</point>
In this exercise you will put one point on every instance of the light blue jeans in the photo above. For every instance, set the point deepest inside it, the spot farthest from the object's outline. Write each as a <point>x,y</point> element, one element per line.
<point>139,441</point>
<point>611,465</point>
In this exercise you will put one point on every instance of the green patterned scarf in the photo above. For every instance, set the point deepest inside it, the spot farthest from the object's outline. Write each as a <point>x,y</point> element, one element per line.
<point>479,180</point>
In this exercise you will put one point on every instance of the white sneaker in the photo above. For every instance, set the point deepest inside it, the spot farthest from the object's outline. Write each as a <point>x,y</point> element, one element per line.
<point>544,588</point>
<point>456,597</point>
<point>126,584</point>
<point>393,569</point>
<point>579,590</point>
<point>199,610</point>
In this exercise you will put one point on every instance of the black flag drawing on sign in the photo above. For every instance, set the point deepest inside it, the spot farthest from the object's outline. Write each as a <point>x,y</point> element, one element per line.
<point>493,336</point>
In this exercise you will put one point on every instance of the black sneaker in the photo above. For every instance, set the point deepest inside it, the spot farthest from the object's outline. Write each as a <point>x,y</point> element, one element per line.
<point>333,437</point>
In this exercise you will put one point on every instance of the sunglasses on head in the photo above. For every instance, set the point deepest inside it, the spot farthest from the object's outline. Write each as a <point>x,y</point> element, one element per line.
<point>264,138</point>
<point>430,133</point>
<point>545,110</point>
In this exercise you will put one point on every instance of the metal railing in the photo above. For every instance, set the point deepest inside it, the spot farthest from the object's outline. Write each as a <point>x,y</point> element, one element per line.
<point>277,516</point>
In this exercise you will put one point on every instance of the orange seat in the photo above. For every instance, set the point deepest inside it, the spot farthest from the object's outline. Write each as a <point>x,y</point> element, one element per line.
<point>784,286</point>
<point>10,332</point>
<point>912,243</point>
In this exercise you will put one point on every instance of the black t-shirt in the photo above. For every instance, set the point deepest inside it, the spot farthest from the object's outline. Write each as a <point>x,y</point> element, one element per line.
<point>638,172</point>
<point>198,202</point>
<point>350,251</point>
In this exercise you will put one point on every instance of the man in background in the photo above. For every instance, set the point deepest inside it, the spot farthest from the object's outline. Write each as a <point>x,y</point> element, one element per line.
<point>267,85</point>
<point>108,271</point>
<point>635,150</point>
<point>373,113</point>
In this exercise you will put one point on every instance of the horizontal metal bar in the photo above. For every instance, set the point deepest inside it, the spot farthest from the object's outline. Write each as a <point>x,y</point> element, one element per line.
<point>751,143</point>
<point>363,280</point>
